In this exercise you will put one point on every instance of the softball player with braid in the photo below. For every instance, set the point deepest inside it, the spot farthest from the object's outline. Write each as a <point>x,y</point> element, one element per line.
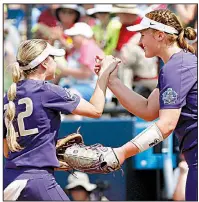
<point>174,100</point>
<point>32,110</point>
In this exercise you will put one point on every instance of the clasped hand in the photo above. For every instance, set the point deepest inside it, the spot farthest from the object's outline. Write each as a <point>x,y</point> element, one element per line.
<point>106,65</point>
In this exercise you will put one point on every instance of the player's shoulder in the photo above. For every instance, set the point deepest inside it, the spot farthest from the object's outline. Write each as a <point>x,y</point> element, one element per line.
<point>180,60</point>
<point>188,57</point>
<point>184,57</point>
<point>51,89</point>
<point>55,92</point>
<point>181,65</point>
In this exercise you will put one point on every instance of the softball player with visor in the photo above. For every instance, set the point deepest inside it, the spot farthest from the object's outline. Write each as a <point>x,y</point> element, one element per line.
<point>174,101</point>
<point>32,109</point>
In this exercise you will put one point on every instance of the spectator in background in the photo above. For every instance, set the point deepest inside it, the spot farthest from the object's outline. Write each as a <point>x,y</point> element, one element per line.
<point>67,15</point>
<point>47,25</point>
<point>42,31</point>
<point>55,20</point>
<point>106,32</point>
<point>81,62</point>
<point>80,188</point>
<point>48,16</point>
<point>87,18</point>
<point>140,72</point>
<point>128,15</point>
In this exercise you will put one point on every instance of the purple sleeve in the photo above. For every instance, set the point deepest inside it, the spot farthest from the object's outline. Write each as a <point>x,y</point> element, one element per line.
<point>59,99</point>
<point>175,82</point>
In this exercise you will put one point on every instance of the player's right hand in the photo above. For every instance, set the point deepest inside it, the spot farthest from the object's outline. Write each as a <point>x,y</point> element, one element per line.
<point>106,65</point>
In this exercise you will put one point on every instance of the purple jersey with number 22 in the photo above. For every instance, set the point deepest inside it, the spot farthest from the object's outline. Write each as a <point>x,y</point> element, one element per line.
<point>37,121</point>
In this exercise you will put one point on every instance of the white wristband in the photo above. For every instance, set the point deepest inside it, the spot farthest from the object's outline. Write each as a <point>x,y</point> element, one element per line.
<point>148,138</point>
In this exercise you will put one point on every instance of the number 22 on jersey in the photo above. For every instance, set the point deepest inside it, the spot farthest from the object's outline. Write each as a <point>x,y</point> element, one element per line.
<point>20,119</point>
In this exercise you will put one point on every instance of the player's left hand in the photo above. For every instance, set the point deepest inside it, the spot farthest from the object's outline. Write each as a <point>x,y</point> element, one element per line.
<point>106,65</point>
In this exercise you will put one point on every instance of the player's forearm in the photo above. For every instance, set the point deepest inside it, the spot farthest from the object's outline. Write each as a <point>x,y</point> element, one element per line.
<point>133,102</point>
<point>98,97</point>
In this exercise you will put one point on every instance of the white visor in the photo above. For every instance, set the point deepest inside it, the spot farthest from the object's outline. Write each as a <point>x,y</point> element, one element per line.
<point>49,50</point>
<point>148,23</point>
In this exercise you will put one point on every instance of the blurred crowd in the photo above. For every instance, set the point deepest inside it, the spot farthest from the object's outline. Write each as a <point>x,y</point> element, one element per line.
<point>84,31</point>
<point>87,30</point>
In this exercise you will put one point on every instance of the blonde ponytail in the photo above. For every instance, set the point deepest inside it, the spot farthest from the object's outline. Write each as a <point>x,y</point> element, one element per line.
<point>10,112</point>
<point>27,51</point>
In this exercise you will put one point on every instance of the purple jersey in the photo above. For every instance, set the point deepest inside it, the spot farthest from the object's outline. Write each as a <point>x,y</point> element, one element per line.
<point>178,89</point>
<point>37,121</point>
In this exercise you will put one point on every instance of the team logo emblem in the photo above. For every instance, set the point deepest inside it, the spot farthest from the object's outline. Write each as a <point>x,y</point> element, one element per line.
<point>70,95</point>
<point>169,96</point>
